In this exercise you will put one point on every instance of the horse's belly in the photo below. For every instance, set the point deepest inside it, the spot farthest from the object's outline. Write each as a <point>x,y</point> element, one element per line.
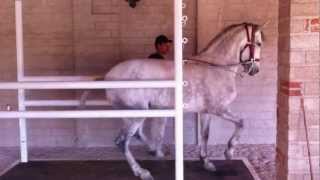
<point>142,98</point>
<point>194,104</point>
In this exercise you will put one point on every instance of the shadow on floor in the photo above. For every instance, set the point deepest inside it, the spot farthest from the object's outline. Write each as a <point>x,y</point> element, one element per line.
<point>119,170</point>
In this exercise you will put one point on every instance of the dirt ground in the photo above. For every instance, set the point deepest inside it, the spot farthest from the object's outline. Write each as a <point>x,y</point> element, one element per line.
<point>261,157</point>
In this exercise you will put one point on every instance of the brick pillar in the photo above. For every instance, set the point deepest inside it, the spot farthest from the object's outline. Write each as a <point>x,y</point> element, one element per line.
<point>298,72</point>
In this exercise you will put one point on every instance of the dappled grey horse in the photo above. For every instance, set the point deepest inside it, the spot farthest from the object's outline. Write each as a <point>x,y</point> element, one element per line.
<point>211,87</point>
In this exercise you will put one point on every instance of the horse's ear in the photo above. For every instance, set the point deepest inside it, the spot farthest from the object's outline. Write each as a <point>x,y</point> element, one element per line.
<point>264,25</point>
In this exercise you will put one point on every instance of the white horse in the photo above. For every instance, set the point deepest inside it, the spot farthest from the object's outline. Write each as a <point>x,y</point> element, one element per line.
<point>211,77</point>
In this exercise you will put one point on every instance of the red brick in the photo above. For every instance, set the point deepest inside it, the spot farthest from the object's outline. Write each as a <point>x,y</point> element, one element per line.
<point>315,25</point>
<point>291,84</point>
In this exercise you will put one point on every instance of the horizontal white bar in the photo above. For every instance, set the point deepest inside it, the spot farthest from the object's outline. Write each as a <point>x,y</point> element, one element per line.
<point>87,114</point>
<point>87,85</point>
<point>59,78</point>
<point>56,103</point>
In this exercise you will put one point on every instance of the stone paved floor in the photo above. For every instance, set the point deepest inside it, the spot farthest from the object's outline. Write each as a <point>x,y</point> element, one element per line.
<point>261,157</point>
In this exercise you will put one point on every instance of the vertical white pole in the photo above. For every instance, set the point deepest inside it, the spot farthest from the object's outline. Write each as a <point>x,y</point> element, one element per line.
<point>20,75</point>
<point>179,89</point>
<point>198,134</point>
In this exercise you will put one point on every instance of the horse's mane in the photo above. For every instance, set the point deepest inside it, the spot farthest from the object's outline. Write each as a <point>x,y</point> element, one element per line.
<point>228,29</point>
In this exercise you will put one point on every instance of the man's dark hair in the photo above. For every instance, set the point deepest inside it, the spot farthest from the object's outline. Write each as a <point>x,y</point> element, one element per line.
<point>162,39</point>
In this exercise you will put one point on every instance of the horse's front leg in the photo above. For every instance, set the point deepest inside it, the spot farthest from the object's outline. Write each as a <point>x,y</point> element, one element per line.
<point>123,142</point>
<point>142,137</point>
<point>158,126</point>
<point>205,120</point>
<point>238,122</point>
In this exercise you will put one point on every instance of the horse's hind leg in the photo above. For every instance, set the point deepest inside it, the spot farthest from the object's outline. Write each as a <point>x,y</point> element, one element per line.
<point>227,115</point>
<point>123,141</point>
<point>157,131</point>
<point>157,134</point>
<point>205,129</point>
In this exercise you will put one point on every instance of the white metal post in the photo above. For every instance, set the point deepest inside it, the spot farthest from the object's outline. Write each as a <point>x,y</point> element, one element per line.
<point>20,75</point>
<point>179,89</point>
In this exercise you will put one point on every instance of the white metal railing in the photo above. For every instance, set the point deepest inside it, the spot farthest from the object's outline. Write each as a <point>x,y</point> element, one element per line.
<point>63,103</point>
<point>87,85</point>
<point>87,114</point>
<point>58,78</point>
<point>83,82</point>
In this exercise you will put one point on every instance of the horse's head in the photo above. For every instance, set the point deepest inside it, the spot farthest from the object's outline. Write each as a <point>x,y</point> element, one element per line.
<point>250,52</point>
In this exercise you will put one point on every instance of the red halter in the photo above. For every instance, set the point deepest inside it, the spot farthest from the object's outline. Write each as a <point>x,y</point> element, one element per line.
<point>250,43</point>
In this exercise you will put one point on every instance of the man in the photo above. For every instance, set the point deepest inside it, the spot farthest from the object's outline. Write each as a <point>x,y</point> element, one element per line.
<point>162,45</point>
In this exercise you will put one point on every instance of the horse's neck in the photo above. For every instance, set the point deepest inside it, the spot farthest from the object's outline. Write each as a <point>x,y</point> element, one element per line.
<point>223,51</point>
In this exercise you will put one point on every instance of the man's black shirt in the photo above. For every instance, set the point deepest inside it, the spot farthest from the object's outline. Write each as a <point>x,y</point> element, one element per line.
<point>156,56</point>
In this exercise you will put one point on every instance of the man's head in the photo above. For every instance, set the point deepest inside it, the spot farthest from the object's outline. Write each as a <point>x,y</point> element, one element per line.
<point>162,44</point>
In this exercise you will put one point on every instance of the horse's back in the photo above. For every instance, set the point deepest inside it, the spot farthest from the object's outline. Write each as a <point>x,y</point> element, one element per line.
<point>142,69</point>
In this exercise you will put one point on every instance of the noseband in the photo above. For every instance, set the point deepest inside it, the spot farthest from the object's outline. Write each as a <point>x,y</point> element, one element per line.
<point>250,44</point>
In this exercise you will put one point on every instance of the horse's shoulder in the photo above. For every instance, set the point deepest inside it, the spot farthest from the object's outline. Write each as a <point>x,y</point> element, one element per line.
<point>146,62</point>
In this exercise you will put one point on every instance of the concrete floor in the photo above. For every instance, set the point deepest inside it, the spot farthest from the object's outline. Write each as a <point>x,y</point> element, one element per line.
<point>261,157</point>
<point>119,170</point>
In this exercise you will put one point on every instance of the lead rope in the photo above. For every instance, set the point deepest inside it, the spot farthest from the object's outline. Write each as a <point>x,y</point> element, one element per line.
<point>224,67</point>
<point>307,135</point>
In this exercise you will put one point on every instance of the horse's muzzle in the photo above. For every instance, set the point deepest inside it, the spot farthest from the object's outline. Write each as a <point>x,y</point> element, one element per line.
<point>254,70</point>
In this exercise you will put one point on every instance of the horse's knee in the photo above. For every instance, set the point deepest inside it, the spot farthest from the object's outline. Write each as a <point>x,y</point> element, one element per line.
<point>138,136</point>
<point>205,136</point>
<point>240,124</point>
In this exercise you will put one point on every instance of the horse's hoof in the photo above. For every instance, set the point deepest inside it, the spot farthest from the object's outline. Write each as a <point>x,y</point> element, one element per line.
<point>152,153</point>
<point>157,154</point>
<point>145,175</point>
<point>120,142</point>
<point>228,154</point>
<point>160,154</point>
<point>209,166</point>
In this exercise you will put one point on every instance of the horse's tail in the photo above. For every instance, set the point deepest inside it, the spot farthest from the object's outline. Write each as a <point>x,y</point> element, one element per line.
<point>83,98</point>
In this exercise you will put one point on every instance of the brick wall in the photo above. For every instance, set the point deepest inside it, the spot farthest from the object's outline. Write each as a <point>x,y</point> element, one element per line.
<point>256,101</point>
<point>107,32</point>
<point>7,68</point>
<point>48,51</point>
<point>298,72</point>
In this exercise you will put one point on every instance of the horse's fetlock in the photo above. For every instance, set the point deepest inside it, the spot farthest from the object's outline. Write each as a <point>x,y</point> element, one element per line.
<point>240,124</point>
<point>228,154</point>
<point>120,142</point>
<point>206,136</point>
<point>234,142</point>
